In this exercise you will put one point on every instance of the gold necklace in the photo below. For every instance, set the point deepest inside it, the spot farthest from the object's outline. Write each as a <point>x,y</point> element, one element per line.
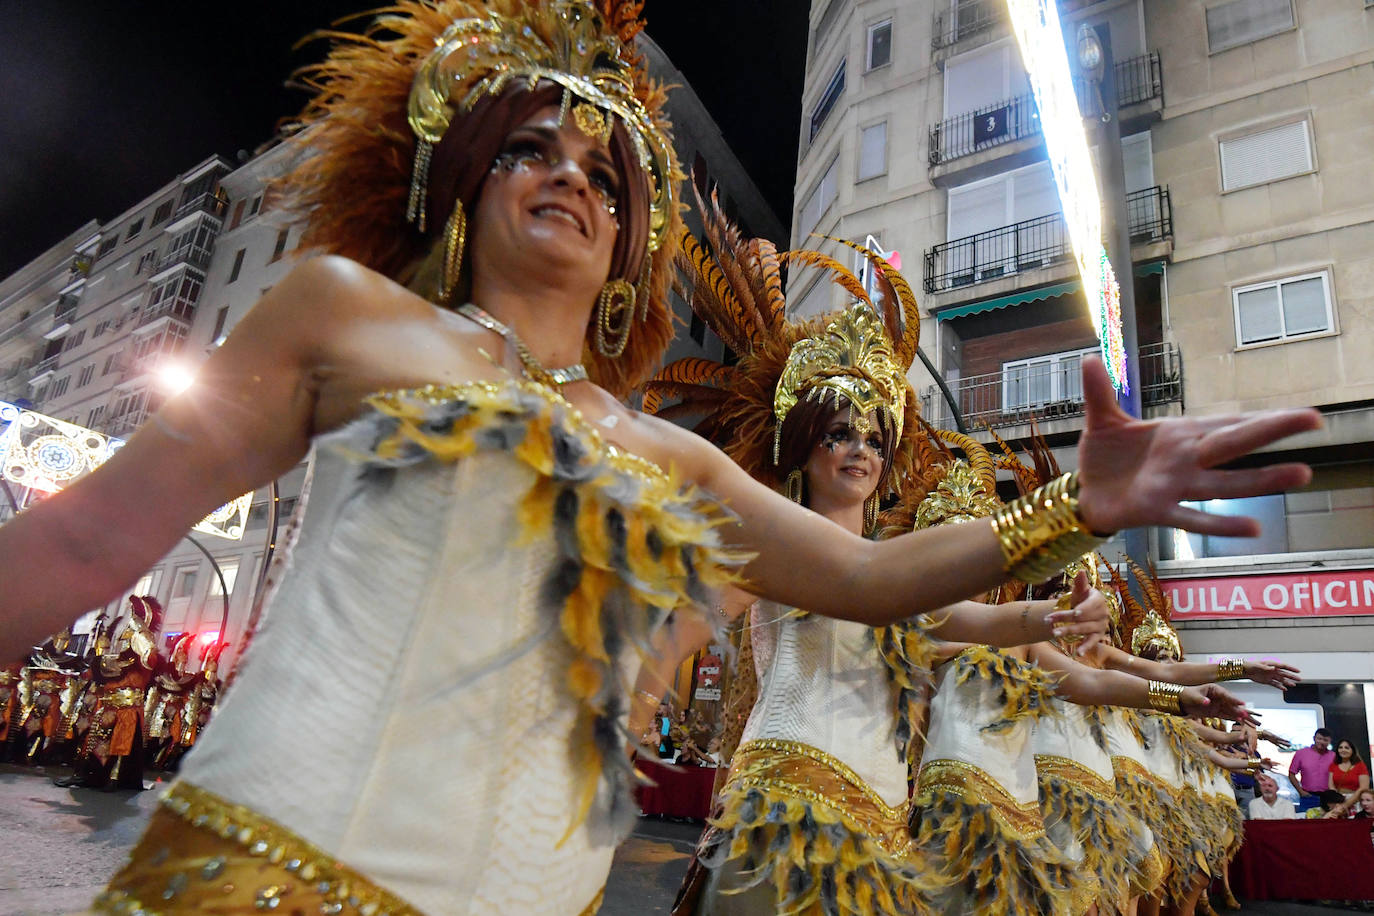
<point>533,367</point>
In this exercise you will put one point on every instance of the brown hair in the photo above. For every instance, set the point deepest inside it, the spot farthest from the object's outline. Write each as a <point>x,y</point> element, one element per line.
<point>806,424</point>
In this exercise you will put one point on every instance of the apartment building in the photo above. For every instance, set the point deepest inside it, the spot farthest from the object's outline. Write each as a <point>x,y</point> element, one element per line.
<point>1244,125</point>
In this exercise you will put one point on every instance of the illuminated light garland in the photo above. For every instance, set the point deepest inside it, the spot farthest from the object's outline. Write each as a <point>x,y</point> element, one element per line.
<point>1041,39</point>
<point>45,453</point>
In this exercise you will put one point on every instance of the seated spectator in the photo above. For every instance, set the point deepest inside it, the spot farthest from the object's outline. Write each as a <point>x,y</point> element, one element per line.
<point>1270,806</point>
<point>1331,802</point>
<point>1310,771</point>
<point>1359,804</point>
<point>1348,773</point>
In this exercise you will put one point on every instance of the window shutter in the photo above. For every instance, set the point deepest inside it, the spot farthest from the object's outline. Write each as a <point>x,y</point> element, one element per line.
<point>1258,313</point>
<point>1304,306</point>
<point>873,151</point>
<point>1267,155</point>
<point>1243,21</point>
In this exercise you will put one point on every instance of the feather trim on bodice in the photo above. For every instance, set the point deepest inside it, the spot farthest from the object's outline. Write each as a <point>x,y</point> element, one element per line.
<point>632,542</point>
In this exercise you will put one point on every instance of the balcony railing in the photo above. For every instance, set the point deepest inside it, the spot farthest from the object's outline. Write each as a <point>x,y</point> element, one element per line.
<point>66,308</point>
<point>1050,391</point>
<point>1138,79</point>
<point>966,19</point>
<point>186,311</point>
<point>1034,243</point>
<point>197,256</point>
<point>213,204</point>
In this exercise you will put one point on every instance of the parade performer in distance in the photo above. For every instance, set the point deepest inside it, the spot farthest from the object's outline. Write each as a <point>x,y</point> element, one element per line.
<point>111,755</point>
<point>458,376</point>
<point>165,707</point>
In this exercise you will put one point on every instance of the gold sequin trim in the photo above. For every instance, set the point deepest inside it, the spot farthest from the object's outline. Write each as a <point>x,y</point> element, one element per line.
<point>976,786</point>
<point>802,771</point>
<point>1065,769</point>
<point>202,853</point>
<point>595,904</point>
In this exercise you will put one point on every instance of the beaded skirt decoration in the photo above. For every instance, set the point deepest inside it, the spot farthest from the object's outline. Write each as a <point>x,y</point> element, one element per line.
<point>202,854</point>
<point>800,819</point>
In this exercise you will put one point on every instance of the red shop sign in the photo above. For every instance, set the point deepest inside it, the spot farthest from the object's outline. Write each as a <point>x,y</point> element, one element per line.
<point>1323,594</point>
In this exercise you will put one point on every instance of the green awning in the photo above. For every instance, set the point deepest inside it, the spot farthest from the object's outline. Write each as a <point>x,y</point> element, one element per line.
<point>1016,298</point>
<point>1034,295</point>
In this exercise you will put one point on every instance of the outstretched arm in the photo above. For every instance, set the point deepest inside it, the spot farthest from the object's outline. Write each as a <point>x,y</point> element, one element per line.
<point>1276,674</point>
<point>1216,735</point>
<point>1133,472</point>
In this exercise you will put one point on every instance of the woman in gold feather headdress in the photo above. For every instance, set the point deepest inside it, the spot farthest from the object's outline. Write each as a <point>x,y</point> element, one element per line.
<point>812,816</point>
<point>491,539</point>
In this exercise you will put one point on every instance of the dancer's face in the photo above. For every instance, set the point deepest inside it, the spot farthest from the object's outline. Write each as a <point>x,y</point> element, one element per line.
<point>552,193</point>
<point>844,466</point>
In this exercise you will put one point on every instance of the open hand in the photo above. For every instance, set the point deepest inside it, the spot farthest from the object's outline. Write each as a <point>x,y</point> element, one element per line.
<point>1136,472</point>
<point>1282,744</point>
<point>1214,700</point>
<point>1087,617</point>
<point>1275,674</point>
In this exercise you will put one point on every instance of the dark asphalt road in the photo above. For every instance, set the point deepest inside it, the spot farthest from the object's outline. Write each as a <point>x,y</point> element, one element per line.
<point>60,845</point>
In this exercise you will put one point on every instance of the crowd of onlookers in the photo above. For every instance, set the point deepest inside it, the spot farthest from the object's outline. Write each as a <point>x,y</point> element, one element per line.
<point>1330,782</point>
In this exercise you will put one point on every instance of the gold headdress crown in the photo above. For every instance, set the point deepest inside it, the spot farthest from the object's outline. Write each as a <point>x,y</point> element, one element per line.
<point>567,42</point>
<point>961,495</point>
<point>851,361</point>
<point>1145,628</point>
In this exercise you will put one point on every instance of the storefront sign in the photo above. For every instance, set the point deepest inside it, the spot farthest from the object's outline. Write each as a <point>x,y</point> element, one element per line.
<point>1323,594</point>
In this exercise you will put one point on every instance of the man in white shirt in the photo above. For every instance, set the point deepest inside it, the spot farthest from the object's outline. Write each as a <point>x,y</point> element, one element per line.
<point>1269,806</point>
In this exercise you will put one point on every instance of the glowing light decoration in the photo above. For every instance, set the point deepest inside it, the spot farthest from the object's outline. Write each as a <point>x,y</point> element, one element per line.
<point>45,453</point>
<point>1041,39</point>
<point>229,520</point>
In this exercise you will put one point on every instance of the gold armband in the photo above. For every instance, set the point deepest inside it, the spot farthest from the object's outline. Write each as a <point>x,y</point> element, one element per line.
<point>1230,669</point>
<point>1041,533</point>
<point>1165,697</point>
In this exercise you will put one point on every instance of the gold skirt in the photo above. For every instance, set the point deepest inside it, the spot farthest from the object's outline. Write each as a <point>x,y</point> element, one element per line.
<point>202,854</point>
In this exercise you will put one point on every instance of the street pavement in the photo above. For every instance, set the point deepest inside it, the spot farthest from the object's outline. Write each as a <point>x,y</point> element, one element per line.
<point>60,845</point>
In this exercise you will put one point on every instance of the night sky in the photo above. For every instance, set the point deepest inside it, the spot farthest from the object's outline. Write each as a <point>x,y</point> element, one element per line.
<point>103,102</point>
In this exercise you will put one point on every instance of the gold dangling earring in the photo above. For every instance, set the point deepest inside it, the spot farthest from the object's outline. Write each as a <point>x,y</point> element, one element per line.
<point>615,314</point>
<point>455,238</point>
<point>792,489</point>
<point>871,514</point>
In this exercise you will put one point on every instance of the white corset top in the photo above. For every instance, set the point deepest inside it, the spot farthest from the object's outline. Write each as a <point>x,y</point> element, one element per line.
<point>822,683</point>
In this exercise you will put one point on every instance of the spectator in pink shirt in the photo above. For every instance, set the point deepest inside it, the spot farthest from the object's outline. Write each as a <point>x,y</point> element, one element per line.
<point>1310,770</point>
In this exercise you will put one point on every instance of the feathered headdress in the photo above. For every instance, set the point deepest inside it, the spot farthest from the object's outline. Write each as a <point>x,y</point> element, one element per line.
<point>859,356</point>
<point>408,116</point>
<point>1145,628</point>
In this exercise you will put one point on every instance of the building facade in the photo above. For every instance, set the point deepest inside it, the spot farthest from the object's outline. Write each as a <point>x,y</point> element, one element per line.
<point>1251,227</point>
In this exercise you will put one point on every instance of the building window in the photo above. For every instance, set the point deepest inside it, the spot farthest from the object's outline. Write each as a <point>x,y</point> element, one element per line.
<point>59,387</point>
<point>230,569</point>
<point>134,229</point>
<point>238,265</point>
<point>828,99</point>
<point>75,340</point>
<point>184,582</point>
<point>220,318</point>
<point>819,200</point>
<point>238,214</point>
<point>879,45</point>
<point>106,246</point>
<point>256,206</point>
<point>873,151</point>
<point>147,261</point>
<point>1267,155</point>
<point>1043,380</point>
<point>95,416</point>
<point>280,248</point>
<point>84,377</point>
<point>1240,22</point>
<point>832,13</point>
<point>1183,545</point>
<point>163,211</point>
<point>1283,309</point>
<point>109,363</point>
